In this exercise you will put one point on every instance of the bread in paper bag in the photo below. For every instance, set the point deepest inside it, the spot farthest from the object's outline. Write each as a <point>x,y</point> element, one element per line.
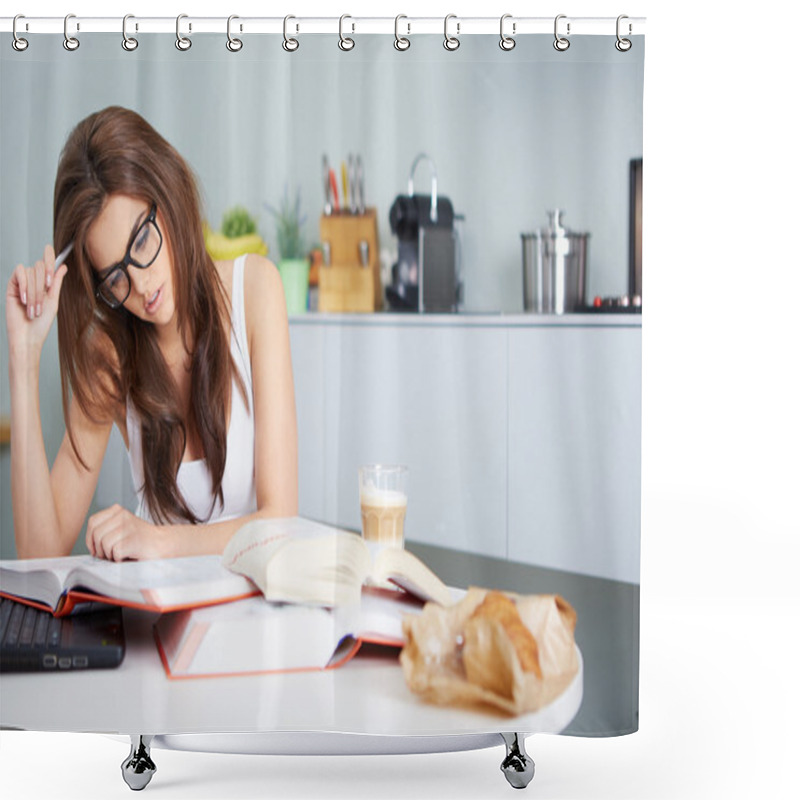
<point>512,653</point>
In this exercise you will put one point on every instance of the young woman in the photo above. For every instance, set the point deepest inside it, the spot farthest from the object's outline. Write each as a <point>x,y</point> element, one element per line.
<point>189,358</point>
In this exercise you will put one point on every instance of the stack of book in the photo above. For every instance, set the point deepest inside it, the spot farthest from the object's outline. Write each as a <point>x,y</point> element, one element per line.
<point>286,595</point>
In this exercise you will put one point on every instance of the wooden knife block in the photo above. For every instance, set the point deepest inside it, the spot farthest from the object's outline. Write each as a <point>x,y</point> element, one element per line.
<point>345,283</point>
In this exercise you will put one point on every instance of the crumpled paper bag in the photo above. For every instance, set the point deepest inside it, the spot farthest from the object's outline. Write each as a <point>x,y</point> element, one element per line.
<point>451,659</point>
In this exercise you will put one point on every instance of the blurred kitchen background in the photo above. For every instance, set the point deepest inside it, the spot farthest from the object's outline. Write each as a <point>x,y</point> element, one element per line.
<point>535,417</point>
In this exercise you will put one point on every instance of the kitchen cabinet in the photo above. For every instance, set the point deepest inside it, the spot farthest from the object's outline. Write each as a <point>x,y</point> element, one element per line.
<point>574,405</point>
<point>308,349</point>
<point>522,432</point>
<point>432,398</point>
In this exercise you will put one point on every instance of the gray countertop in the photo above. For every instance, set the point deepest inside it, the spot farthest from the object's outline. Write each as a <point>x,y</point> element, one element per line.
<point>607,631</point>
<point>472,320</point>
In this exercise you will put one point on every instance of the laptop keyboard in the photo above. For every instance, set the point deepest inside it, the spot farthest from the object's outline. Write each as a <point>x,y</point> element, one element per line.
<point>24,626</point>
<point>33,639</point>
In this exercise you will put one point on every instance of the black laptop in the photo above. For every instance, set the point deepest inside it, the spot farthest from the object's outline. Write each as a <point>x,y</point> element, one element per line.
<point>31,639</point>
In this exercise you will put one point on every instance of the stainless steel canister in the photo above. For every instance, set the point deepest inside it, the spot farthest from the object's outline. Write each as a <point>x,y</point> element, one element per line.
<point>554,268</point>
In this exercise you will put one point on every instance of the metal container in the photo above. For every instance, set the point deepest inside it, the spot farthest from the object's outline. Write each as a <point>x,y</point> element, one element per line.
<point>554,268</point>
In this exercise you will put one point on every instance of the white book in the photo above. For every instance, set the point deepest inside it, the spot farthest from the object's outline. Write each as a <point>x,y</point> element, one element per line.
<point>157,585</point>
<point>255,636</point>
<point>299,560</point>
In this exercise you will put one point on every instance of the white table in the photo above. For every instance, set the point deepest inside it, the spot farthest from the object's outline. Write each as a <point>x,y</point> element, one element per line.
<point>363,706</point>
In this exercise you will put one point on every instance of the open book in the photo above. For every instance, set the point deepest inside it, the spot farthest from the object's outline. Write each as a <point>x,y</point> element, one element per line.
<point>58,584</point>
<point>256,636</point>
<point>301,561</point>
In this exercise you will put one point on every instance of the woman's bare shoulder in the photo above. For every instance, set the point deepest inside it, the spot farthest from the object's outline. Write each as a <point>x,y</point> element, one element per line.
<point>260,274</point>
<point>263,295</point>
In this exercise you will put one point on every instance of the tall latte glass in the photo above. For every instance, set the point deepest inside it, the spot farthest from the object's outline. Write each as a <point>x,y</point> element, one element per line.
<point>383,491</point>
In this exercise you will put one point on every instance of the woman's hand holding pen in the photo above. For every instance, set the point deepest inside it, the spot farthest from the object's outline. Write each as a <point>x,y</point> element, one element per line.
<point>32,303</point>
<point>116,534</point>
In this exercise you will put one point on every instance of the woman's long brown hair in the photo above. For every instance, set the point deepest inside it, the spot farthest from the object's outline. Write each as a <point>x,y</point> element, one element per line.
<point>115,151</point>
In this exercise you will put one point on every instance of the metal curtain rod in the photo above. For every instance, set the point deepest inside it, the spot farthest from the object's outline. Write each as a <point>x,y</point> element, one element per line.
<point>407,26</point>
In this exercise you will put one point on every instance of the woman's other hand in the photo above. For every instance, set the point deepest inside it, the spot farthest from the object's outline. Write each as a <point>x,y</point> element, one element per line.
<point>116,534</point>
<point>32,303</point>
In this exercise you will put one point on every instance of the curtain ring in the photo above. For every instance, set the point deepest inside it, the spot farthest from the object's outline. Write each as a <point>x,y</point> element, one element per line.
<point>289,44</point>
<point>70,42</point>
<point>400,42</point>
<point>345,42</point>
<point>561,43</point>
<point>18,43</point>
<point>234,45</point>
<point>623,45</point>
<point>183,43</point>
<point>451,43</point>
<point>129,43</point>
<point>507,42</point>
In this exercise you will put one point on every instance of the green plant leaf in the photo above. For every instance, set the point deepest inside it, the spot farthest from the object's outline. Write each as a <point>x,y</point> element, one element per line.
<point>288,226</point>
<point>237,221</point>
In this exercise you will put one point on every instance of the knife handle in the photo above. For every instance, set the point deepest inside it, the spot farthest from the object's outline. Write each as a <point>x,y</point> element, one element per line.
<point>334,189</point>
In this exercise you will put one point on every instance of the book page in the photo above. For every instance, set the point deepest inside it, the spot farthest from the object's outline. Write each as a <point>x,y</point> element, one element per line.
<point>300,560</point>
<point>163,582</point>
<point>406,570</point>
<point>41,579</point>
<point>251,636</point>
<point>381,615</point>
<point>258,540</point>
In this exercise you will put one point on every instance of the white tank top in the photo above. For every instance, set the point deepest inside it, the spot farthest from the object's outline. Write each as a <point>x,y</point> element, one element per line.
<point>194,478</point>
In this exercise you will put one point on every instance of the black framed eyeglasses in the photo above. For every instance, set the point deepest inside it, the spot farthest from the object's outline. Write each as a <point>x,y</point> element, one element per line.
<point>114,283</point>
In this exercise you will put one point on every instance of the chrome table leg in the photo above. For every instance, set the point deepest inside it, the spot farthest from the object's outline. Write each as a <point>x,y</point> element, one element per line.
<point>518,766</point>
<point>138,768</point>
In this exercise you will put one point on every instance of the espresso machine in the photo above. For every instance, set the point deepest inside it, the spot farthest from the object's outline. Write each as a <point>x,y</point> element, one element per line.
<point>426,276</point>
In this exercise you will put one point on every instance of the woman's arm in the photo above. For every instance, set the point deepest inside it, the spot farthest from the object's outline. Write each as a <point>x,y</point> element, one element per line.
<point>117,534</point>
<point>273,390</point>
<point>48,509</point>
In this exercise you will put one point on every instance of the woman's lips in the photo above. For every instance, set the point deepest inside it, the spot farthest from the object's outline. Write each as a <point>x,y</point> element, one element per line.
<point>151,306</point>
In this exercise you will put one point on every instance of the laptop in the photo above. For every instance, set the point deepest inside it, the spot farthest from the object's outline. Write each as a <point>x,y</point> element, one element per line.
<point>33,640</point>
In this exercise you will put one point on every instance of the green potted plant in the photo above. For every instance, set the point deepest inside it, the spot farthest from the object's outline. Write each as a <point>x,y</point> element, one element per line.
<point>293,264</point>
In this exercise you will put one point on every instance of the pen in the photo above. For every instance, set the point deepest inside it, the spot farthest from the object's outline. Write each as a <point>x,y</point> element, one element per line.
<point>62,256</point>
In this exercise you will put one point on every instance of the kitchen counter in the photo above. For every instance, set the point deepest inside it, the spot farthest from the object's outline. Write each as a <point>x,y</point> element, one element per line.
<point>473,320</point>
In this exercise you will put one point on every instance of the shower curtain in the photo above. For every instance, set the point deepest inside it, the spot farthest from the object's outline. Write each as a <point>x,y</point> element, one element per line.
<point>519,425</point>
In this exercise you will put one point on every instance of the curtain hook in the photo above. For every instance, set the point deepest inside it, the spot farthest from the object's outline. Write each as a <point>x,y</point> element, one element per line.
<point>507,42</point>
<point>289,44</point>
<point>129,43</point>
<point>70,42</point>
<point>451,43</point>
<point>18,43</point>
<point>401,42</point>
<point>561,43</point>
<point>183,43</point>
<point>345,42</point>
<point>233,44</point>
<point>623,45</point>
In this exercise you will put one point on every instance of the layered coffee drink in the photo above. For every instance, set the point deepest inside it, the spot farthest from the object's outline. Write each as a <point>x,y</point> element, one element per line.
<point>383,514</point>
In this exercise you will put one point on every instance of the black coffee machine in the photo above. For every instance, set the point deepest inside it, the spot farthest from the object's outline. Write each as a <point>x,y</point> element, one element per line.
<point>426,275</point>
